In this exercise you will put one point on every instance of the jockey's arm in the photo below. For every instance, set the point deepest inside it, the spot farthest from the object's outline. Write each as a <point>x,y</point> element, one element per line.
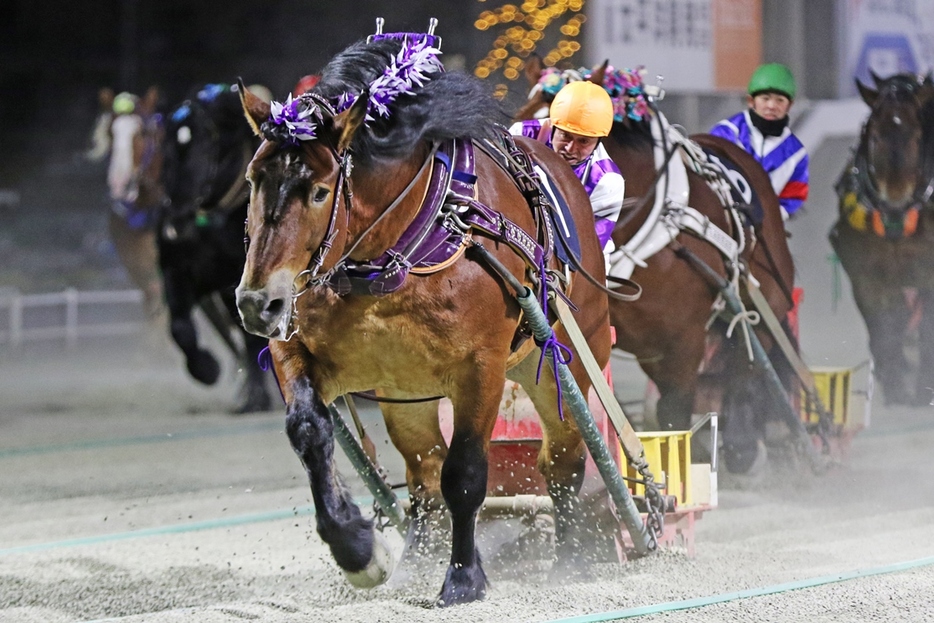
<point>606,200</point>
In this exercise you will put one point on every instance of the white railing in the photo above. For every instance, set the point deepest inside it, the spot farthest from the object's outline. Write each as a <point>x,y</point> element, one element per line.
<point>68,315</point>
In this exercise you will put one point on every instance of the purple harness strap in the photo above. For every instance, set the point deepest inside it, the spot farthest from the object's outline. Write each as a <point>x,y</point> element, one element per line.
<point>432,238</point>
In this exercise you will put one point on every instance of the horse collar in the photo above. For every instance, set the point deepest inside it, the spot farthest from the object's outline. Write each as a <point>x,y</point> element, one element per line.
<point>864,210</point>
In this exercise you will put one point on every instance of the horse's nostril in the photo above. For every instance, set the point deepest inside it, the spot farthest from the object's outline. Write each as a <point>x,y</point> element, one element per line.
<point>274,308</point>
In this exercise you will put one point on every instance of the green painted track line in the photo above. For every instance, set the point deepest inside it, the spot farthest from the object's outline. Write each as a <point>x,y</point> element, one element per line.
<point>95,444</point>
<point>701,602</point>
<point>209,524</point>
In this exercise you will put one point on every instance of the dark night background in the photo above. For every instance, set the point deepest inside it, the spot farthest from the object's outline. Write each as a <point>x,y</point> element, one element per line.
<point>56,55</point>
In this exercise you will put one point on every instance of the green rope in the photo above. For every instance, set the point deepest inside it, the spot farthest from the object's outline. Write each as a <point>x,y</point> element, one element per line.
<point>836,283</point>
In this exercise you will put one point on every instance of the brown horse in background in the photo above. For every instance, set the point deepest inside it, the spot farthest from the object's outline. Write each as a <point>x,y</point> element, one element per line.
<point>885,234</point>
<point>136,198</point>
<point>666,329</point>
<point>450,331</point>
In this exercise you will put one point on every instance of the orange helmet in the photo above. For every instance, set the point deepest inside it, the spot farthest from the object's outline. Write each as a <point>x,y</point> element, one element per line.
<point>583,108</point>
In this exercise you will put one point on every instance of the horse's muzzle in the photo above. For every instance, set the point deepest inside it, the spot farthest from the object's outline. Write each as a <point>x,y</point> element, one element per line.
<point>263,314</point>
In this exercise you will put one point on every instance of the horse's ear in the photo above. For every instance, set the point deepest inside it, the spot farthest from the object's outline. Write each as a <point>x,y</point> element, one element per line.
<point>533,69</point>
<point>599,73</point>
<point>347,122</point>
<point>256,110</point>
<point>875,78</point>
<point>868,95</point>
<point>928,79</point>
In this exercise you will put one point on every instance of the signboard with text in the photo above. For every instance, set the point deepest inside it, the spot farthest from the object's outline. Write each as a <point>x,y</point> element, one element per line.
<point>885,37</point>
<point>695,45</point>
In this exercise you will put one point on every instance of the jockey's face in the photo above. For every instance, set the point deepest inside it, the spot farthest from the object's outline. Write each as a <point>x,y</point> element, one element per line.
<point>770,106</point>
<point>574,148</point>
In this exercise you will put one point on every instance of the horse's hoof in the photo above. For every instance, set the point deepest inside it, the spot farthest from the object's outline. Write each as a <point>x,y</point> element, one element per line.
<point>256,401</point>
<point>462,585</point>
<point>203,367</point>
<point>748,458</point>
<point>379,568</point>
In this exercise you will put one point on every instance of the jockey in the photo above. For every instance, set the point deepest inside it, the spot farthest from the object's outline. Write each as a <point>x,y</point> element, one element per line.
<point>762,130</point>
<point>581,114</point>
<point>121,173</point>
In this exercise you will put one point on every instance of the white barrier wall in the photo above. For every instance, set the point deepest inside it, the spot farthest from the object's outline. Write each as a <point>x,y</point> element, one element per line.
<point>68,315</point>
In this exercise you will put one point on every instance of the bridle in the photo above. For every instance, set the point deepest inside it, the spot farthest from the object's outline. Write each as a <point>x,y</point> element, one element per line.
<point>343,188</point>
<point>867,185</point>
<point>210,199</point>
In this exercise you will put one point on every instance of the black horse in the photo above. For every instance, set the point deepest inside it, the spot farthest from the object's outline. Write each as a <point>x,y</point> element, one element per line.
<point>885,234</point>
<point>200,237</point>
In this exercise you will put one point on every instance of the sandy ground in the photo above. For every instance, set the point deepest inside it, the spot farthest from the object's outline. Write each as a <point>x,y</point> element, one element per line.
<point>127,493</point>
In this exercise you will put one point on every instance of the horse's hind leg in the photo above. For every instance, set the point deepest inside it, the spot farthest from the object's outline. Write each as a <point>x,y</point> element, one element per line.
<point>561,461</point>
<point>359,551</point>
<point>414,430</point>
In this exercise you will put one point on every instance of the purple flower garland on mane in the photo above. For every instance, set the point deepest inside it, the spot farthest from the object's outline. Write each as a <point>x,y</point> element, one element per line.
<point>294,115</point>
<point>409,70</point>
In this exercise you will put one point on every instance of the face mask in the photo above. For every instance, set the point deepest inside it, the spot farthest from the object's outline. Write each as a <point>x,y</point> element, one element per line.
<point>768,128</point>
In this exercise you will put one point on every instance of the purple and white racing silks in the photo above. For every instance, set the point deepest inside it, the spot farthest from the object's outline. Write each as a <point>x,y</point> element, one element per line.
<point>599,175</point>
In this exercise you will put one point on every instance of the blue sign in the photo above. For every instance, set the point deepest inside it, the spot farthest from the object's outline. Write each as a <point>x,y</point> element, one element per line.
<point>886,54</point>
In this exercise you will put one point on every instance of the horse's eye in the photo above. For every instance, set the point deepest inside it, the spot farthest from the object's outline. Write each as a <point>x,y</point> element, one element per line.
<point>320,194</point>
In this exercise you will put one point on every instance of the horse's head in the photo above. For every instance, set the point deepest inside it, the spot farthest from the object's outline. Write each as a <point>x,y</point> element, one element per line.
<point>892,145</point>
<point>626,89</point>
<point>386,100</point>
<point>206,149</point>
<point>297,179</point>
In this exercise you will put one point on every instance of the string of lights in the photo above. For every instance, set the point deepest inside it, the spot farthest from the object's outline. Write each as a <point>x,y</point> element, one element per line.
<point>524,28</point>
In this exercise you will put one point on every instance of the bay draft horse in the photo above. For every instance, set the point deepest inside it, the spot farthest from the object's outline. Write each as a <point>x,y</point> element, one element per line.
<point>444,333</point>
<point>885,233</point>
<point>200,233</point>
<point>666,329</point>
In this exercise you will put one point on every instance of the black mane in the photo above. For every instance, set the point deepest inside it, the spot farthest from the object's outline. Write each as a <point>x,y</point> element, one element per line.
<point>450,105</point>
<point>633,134</point>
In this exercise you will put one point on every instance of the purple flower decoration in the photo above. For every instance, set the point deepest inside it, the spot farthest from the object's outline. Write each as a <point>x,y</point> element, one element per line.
<point>296,119</point>
<point>409,70</point>
<point>627,90</point>
<point>294,116</point>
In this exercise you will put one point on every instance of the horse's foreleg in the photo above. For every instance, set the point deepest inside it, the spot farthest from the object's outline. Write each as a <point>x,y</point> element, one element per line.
<point>255,393</point>
<point>362,555</point>
<point>201,365</point>
<point>882,306</point>
<point>924,393</point>
<point>675,375</point>
<point>464,482</point>
<point>886,316</point>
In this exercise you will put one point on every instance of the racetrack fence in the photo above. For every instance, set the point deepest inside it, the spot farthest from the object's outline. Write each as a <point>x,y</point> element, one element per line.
<point>68,316</point>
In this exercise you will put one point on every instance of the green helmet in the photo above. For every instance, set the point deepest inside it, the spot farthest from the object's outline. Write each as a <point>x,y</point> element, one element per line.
<point>124,103</point>
<point>772,77</point>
